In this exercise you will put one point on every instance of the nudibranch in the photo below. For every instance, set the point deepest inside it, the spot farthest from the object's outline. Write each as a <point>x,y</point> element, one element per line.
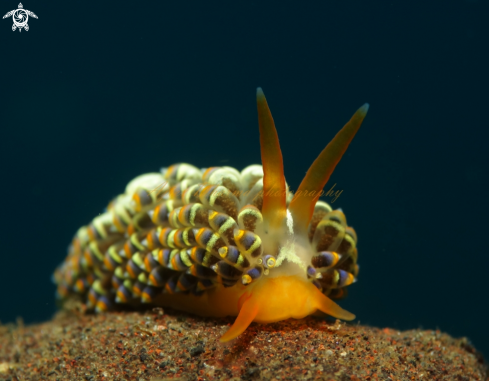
<point>219,242</point>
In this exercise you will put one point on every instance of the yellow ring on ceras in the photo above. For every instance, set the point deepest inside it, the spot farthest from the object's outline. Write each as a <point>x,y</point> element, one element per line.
<point>93,247</point>
<point>223,251</point>
<point>119,273</point>
<point>138,261</point>
<point>174,220</point>
<point>171,238</point>
<point>185,237</point>
<point>143,278</point>
<point>97,286</point>
<point>135,241</point>
<point>185,258</point>
<point>239,234</point>
<point>241,262</point>
<point>212,242</point>
<point>271,262</point>
<point>248,211</point>
<point>225,226</point>
<point>246,279</point>
<point>219,191</point>
<point>209,244</point>
<point>193,213</point>
<point>100,224</point>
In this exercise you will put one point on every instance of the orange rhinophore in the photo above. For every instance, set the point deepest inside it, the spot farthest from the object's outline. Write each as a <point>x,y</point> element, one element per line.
<point>220,242</point>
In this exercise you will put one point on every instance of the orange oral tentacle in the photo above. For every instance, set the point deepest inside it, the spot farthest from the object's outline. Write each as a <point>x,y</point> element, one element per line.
<point>302,205</point>
<point>247,313</point>
<point>326,305</point>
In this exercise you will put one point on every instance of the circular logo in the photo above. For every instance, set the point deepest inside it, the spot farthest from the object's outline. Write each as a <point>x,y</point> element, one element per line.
<point>20,18</point>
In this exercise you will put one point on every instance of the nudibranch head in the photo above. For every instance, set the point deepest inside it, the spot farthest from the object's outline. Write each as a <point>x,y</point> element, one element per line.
<point>309,246</point>
<point>279,298</point>
<point>221,242</point>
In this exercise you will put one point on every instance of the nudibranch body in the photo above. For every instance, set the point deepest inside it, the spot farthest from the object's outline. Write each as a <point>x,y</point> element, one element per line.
<point>219,242</point>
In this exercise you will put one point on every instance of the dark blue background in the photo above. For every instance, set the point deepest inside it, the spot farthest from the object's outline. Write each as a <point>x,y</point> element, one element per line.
<point>95,94</point>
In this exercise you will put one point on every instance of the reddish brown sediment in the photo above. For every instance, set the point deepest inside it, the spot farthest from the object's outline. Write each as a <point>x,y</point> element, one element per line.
<point>158,346</point>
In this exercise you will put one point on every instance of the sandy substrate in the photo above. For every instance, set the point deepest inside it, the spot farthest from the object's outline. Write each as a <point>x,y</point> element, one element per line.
<point>156,345</point>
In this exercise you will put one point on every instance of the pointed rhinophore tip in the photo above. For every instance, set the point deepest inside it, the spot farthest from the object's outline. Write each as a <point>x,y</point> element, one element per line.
<point>274,209</point>
<point>318,174</point>
<point>363,110</point>
<point>259,93</point>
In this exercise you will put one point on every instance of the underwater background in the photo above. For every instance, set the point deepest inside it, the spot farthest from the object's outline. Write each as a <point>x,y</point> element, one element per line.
<point>95,94</point>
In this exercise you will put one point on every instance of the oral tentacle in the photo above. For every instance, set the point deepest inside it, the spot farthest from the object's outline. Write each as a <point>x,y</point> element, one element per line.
<point>248,311</point>
<point>326,305</point>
